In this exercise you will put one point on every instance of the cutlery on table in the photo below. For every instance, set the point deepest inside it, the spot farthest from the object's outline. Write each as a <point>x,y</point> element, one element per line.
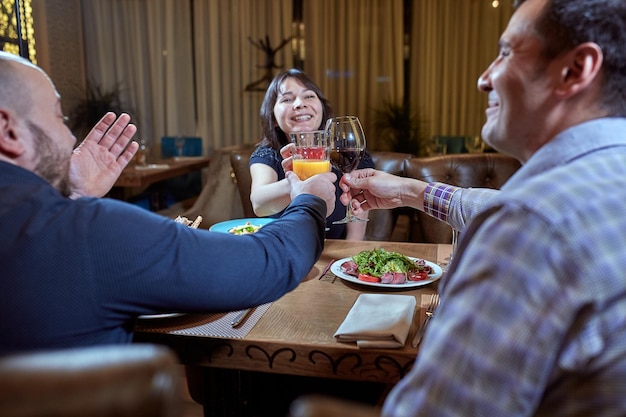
<point>241,317</point>
<point>332,261</point>
<point>430,310</point>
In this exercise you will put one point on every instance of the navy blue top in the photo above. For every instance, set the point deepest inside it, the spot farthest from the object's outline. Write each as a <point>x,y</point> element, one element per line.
<point>271,157</point>
<point>78,272</point>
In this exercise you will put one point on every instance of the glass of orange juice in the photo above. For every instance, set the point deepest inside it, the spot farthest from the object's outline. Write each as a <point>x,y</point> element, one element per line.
<point>311,154</point>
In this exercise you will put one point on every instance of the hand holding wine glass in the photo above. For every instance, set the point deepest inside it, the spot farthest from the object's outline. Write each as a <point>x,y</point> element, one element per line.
<point>347,144</point>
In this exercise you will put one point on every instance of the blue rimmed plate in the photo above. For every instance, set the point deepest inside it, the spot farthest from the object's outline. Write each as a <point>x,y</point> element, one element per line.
<point>224,227</point>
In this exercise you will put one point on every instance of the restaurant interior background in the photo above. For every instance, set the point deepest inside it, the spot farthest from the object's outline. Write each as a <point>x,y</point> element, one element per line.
<point>199,68</point>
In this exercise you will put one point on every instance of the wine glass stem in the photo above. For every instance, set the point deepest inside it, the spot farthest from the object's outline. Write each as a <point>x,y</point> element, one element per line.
<point>455,241</point>
<point>349,212</point>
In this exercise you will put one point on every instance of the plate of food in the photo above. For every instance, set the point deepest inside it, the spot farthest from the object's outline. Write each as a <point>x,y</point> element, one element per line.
<point>385,269</point>
<point>241,226</point>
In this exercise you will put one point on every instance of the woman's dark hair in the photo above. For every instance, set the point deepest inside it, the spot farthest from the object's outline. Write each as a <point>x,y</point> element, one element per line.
<point>565,24</point>
<point>272,134</point>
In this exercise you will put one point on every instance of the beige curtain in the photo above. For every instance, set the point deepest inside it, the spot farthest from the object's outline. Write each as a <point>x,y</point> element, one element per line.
<point>227,62</point>
<point>144,47</point>
<point>352,48</point>
<point>453,41</point>
<point>354,52</point>
<point>152,46</point>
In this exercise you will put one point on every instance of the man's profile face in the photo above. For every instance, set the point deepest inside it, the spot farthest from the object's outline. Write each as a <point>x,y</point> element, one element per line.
<point>518,83</point>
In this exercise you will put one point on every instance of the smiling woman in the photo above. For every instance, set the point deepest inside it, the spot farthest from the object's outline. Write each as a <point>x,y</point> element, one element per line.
<point>293,103</point>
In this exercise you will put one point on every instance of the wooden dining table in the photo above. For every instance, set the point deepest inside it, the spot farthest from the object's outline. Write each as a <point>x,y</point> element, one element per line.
<point>141,176</point>
<point>295,335</point>
<point>136,178</point>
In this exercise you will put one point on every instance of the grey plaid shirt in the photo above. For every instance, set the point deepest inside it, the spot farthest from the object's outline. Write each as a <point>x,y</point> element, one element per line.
<point>532,320</point>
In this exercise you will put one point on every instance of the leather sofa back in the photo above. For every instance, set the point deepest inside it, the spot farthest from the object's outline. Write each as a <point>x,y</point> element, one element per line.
<point>486,170</point>
<point>383,222</point>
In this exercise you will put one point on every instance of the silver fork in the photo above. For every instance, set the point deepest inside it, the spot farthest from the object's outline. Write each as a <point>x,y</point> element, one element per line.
<point>430,311</point>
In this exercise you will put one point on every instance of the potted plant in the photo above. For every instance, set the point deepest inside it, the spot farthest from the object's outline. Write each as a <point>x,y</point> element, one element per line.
<point>89,110</point>
<point>401,129</point>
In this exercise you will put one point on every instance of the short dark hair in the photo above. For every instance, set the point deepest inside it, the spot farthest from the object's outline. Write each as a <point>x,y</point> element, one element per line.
<point>272,134</point>
<point>565,24</point>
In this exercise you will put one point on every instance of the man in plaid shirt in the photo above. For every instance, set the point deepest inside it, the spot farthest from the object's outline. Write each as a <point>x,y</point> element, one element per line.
<point>532,320</point>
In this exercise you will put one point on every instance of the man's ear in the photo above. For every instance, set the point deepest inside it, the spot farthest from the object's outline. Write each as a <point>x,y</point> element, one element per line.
<point>10,145</point>
<point>582,66</point>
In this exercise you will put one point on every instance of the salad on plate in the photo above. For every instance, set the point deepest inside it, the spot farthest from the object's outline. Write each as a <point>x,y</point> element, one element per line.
<point>386,267</point>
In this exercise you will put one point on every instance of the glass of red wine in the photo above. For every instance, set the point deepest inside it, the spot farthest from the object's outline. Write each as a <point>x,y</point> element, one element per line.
<point>347,144</point>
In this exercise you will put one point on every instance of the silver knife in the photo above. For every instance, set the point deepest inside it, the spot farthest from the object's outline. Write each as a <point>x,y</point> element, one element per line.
<point>241,317</point>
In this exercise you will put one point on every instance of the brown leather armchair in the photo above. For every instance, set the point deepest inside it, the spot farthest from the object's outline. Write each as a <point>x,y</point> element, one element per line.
<point>137,380</point>
<point>486,170</point>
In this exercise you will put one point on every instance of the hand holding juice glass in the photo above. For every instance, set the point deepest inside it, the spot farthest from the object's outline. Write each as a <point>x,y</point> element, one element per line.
<point>311,155</point>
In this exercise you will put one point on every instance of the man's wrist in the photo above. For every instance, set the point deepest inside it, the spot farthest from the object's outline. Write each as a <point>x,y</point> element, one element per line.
<point>437,197</point>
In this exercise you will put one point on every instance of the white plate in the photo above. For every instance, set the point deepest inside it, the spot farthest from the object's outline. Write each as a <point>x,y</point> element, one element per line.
<point>437,272</point>
<point>159,316</point>
<point>224,227</point>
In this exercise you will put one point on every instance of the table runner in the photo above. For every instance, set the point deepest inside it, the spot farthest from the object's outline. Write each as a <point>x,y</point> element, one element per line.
<point>210,325</point>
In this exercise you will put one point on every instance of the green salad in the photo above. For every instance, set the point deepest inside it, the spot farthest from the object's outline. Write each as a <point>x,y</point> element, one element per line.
<point>244,229</point>
<point>378,261</point>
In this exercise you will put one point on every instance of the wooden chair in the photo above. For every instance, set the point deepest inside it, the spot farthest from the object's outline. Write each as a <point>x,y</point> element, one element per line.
<point>487,170</point>
<point>137,380</point>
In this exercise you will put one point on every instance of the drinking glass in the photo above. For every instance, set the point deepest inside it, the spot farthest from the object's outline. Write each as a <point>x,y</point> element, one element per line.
<point>347,144</point>
<point>311,154</point>
<point>455,241</point>
<point>179,142</point>
<point>474,144</point>
<point>142,154</point>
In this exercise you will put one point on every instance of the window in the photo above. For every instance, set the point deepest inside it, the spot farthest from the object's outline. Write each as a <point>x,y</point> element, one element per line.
<point>16,28</point>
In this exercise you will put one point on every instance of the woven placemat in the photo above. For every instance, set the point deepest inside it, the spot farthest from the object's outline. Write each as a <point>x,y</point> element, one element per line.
<point>209,325</point>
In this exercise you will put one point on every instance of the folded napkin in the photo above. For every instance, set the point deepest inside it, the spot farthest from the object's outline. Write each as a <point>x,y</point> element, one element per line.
<point>378,321</point>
